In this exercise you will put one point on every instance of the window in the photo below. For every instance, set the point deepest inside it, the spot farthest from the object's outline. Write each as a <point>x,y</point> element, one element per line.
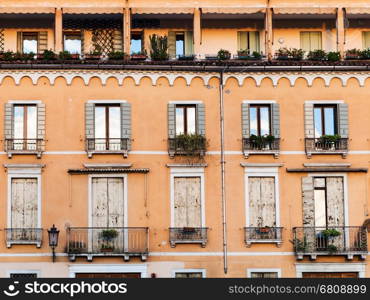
<point>73,42</point>
<point>107,127</point>
<point>25,127</point>
<point>188,275</point>
<point>264,275</point>
<point>260,120</point>
<point>249,40</point>
<point>366,39</point>
<point>136,42</point>
<point>325,119</point>
<point>180,43</point>
<point>311,40</point>
<point>23,275</point>
<point>29,42</point>
<point>185,119</point>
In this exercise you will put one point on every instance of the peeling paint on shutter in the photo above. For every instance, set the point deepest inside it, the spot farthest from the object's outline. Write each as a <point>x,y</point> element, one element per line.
<point>171,120</point>
<point>275,120</point>
<point>172,44</point>
<point>8,121</point>
<point>343,119</point>
<point>245,120</point>
<point>335,201</point>
<point>262,207</point>
<point>126,123</point>
<point>308,120</point>
<point>201,119</point>
<point>42,41</point>
<point>99,202</point>
<point>117,40</point>
<point>115,202</point>
<point>89,120</point>
<point>187,202</point>
<point>41,115</point>
<point>308,201</point>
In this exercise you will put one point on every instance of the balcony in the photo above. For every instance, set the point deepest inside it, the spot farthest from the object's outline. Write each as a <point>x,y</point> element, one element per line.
<point>345,240</point>
<point>262,146</point>
<point>23,236</point>
<point>322,146</point>
<point>114,241</point>
<point>188,235</point>
<point>263,235</point>
<point>187,145</point>
<point>107,146</point>
<point>24,146</point>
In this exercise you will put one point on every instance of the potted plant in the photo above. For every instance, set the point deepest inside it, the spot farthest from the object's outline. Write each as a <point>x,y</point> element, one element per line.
<point>282,54</point>
<point>66,55</point>
<point>158,47</point>
<point>223,54</point>
<point>8,55</point>
<point>296,54</point>
<point>188,230</point>
<point>300,245</point>
<point>106,248</point>
<point>352,54</point>
<point>328,141</point>
<point>108,235</point>
<point>191,144</point>
<point>333,56</point>
<point>332,248</point>
<point>330,233</point>
<point>141,55</point>
<point>245,55</point>
<point>264,230</point>
<point>47,55</point>
<point>93,55</point>
<point>365,54</point>
<point>189,57</point>
<point>318,55</point>
<point>117,55</point>
<point>261,141</point>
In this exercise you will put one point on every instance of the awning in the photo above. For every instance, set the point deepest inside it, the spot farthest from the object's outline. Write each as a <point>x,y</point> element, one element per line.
<point>162,10</point>
<point>358,10</point>
<point>233,10</point>
<point>305,10</point>
<point>92,10</point>
<point>106,171</point>
<point>27,10</point>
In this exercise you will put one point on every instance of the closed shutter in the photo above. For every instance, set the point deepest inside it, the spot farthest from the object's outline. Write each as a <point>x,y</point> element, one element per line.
<point>308,120</point>
<point>275,120</point>
<point>126,123</point>
<point>117,40</point>
<point>171,120</point>
<point>115,202</point>
<point>308,201</point>
<point>335,201</point>
<point>189,43</point>
<point>245,121</point>
<point>172,44</point>
<point>8,121</point>
<point>19,41</point>
<point>187,202</point>
<point>90,120</point>
<point>366,39</point>
<point>262,209</point>
<point>201,119</point>
<point>242,40</point>
<point>41,115</point>
<point>42,41</point>
<point>343,120</point>
<point>311,40</point>
<point>254,41</point>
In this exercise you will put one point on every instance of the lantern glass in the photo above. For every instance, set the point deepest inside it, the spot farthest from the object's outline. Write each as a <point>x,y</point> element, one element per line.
<point>53,236</point>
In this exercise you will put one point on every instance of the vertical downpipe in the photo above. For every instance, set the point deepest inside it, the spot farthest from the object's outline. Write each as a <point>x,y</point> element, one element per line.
<point>223,194</point>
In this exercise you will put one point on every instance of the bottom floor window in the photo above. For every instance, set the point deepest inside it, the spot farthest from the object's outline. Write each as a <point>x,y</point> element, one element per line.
<point>330,275</point>
<point>23,275</point>
<point>264,275</point>
<point>189,275</point>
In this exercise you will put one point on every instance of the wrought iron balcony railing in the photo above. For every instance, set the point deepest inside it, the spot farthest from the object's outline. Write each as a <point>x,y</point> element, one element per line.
<point>108,241</point>
<point>251,146</point>
<point>263,235</point>
<point>106,146</point>
<point>321,146</point>
<point>25,236</point>
<point>188,235</point>
<point>194,146</point>
<point>342,240</point>
<point>24,146</point>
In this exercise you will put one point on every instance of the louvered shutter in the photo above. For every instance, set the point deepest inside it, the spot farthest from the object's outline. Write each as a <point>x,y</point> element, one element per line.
<point>41,115</point>
<point>117,40</point>
<point>275,120</point>
<point>201,119</point>
<point>309,120</point>
<point>343,120</point>
<point>90,120</point>
<point>42,41</point>
<point>8,121</point>
<point>126,123</point>
<point>245,121</point>
<point>171,120</point>
<point>172,44</point>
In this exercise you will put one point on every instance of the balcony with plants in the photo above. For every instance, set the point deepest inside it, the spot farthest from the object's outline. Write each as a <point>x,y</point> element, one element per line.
<point>265,144</point>
<point>327,144</point>
<point>191,145</point>
<point>188,235</point>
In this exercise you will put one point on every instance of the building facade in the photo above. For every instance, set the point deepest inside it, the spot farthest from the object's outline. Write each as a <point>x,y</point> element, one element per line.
<point>193,166</point>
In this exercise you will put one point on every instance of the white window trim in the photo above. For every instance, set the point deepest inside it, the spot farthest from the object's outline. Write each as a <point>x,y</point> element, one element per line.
<point>24,173</point>
<point>187,172</point>
<point>24,101</point>
<point>186,102</point>
<point>263,270</point>
<point>330,267</point>
<point>203,271</point>
<point>259,101</point>
<point>262,172</point>
<point>324,101</point>
<point>37,272</point>
<point>108,101</point>
<point>108,268</point>
<point>125,193</point>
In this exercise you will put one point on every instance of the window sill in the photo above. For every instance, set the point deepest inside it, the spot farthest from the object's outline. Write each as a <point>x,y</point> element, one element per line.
<point>120,152</point>
<point>24,152</point>
<point>264,241</point>
<point>275,153</point>
<point>344,153</point>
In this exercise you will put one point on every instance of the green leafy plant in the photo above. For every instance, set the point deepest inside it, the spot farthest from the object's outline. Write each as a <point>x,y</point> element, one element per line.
<point>48,55</point>
<point>330,138</point>
<point>245,54</point>
<point>65,55</point>
<point>317,55</point>
<point>109,234</point>
<point>365,54</point>
<point>223,54</point>
<point>190,144</point>
<point>8,55</point>
<point>331,232</point>
<point>332,248</point>
<point>158,47</point>
<point>353,54</point>
<point>296,54</point>
<point>117,55</point>
<point>333,56</point>
<point>300,245</point>
<point>18,56</point>
<point>259,141</point>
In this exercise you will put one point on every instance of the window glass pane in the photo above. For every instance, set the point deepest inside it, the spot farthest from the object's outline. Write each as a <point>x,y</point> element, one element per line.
<point>29,42</point>
<point>188,275</point>
<point>253,121</point>
<point>191,120</point>
<point>100,129</point>
<point>320,208</point>
<point>180,44</point>
<point>31,122</point>
<point>72,43</point>
<point>114,122</point>
<point>265,120</point>
<point>318,122</point>
<point>180,120</point>
<point>136,42</point>
<point>18,122</point>
<point>329,121</point>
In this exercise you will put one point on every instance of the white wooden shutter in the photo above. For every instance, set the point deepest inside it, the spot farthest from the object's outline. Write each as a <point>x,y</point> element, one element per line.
<point>309,120</point>
<point>343,120</point>
<point>99,202</point>
<point>335,201</point>
<point>245,120</point>
<point>115,202</point>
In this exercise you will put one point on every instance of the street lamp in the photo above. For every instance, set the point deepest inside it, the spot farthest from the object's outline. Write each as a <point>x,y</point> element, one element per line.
<point>53,233</point>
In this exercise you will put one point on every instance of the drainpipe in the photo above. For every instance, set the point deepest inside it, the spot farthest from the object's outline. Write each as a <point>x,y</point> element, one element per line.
<point>223,193</point>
